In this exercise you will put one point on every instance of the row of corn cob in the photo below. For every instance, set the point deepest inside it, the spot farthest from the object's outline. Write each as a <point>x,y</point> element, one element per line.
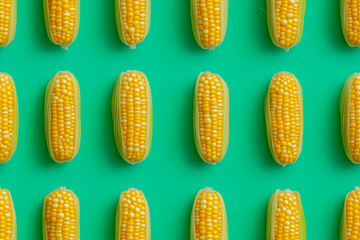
<point>132,117</point>
<point>285,220</point>
<point>209,21</point>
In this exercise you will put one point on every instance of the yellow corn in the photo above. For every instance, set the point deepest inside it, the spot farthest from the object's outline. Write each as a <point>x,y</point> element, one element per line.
<point>61,216</point>
<point>133,20</point>
<point>62,117</point>
<point>132,114</point>
<point>133,216</point>
<point>351,216</point>
<point>208,219</point>
<point>350,17</point>
<point>350,117</point>
<point>62,20</point>
<point>286,19</point>
<point>209,19</point>
<point>7,216</point>
<point>286,218</point>
<point>211,117</point>
<point>284,118</point>
<point>8,117</point>
<point>7,21</point>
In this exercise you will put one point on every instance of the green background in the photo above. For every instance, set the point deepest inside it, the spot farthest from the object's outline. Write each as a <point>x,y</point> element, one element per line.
<point>173,172</point>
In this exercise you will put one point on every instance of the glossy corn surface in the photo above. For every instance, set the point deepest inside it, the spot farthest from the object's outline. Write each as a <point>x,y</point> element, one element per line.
<point>287,217</point>
<point>133,216</point>
<point>132,112</point>
<point>7,216</point>
<point>8,117</point>
<point>63,116</point>
<point>284,113</point>
<point>351,18</point>
<point>61,216</point>
<point>7,21</point>
<point>62,18</point>
<point>211,113</point>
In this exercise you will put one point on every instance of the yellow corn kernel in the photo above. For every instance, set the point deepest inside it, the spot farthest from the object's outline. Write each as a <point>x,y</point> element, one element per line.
<point>350,17</point>
<point>133,20</point>
<point>211,117</point>
<point>7,21</point>
<point>284,118</point>
<point>61,216</point>
<point>133,216</point>
<point>209,19</point>
<point>62,20</point>
<point>208,219</point>
<point>62,117</point>
<point>7,216</point>
<point>132,114</point>
<point>286,218</point>
<point>351,216</point>
<point>350,117</point>
<point>8,117</point>
<point>285,19</point>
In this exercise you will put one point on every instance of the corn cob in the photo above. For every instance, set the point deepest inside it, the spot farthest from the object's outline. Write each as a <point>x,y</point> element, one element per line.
<point>61,216</point>
<point>350,220</point>
<point>133,216</point>
<point>62,18</point>
<point>132,116</point>
<point>7,216</point>
<point>350,117</point>
<point>8,118</point>
<point>350,17</point>
<point>284,118</point>
<point>286,20</point>
<point>208,217</point>
<point>62,117</point>
<point>211,117</point>
<point>209,22</point>
<point>7,21</point>
<point>285,217</point>
<point>133,20</point>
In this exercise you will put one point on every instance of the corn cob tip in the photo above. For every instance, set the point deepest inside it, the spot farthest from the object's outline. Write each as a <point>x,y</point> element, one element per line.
<point>285,218</point>
<point>350,216</point>
<point>285,21</point>
<point>209,22</point>
<point>61,215</point>
<point>62,18</point>
<point>7,21</point>
<point>133,132</point>
<point>349,22</point>
<point>62,117</point>
<point>208,208</point>
<point>284,118</point>
<point>133,20</point>
<point>211,117</point>
<point>133,210</point>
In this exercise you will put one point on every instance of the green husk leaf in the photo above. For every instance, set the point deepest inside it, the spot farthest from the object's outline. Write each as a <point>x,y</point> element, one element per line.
<point>120,25</point>
<point>225,120</point>
<point>119,217</point>
<point>48,28</point>
<point>195,26</point>
<point>77,209</point>
<point>12,27</point>
<point>224,228</point>
<point>268,119</point>
<point>47,115</point>
<point>271,216</point>
<point>15,121</point>
<point>116,114</point>
<point>272,23</point>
